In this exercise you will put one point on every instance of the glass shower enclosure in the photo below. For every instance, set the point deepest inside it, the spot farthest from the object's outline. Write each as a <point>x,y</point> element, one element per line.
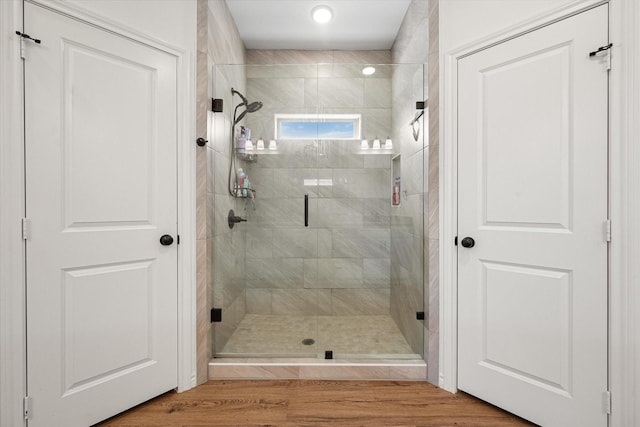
<point>330,261</point>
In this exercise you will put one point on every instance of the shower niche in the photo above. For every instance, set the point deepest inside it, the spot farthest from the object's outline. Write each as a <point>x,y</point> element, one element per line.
<point>396,180</point>
<point>324,266</point>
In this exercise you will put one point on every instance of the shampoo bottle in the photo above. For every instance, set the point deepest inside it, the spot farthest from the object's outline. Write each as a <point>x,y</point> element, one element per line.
<point>240,178</point>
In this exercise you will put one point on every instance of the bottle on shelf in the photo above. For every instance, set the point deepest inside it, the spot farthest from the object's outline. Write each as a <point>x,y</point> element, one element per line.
<point>240,181</point>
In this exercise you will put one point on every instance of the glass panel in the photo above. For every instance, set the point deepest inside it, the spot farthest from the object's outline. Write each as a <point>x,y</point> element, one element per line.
<point>279,317</point>
<point>349,279</point>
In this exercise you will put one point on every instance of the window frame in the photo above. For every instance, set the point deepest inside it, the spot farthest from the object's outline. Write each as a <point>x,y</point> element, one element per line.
<point>356,119</point>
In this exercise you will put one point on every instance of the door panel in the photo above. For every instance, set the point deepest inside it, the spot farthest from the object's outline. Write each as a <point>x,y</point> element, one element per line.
<point>91,295</point>
<point>531,189</point>
<point>96,151</point>
<point>101,190</point>
<point>526,288</point>
<point>533,194</point>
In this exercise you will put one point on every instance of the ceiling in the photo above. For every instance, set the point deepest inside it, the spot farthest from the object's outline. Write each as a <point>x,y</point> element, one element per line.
<point>287,24</point>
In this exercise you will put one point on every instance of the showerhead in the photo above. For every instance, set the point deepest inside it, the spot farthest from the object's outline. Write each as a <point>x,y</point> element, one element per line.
<point>241,116</point>
<point>249,108</point>
<point>254,106</point>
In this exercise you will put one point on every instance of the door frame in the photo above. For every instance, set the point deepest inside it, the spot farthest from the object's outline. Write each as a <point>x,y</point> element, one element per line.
<point>12,207</point>
<point>624,199</point>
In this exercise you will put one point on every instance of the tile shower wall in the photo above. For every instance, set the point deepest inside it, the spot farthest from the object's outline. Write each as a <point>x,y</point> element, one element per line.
<point>341,263</point>
<point>225,248</point>
<point>202,267</point>
<point>408,291</point>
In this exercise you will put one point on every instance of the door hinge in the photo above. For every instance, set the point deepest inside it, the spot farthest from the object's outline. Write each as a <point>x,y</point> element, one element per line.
<point>178,239</point>
<point>607,53</point>
<point>26,229</point>
<point>24,37</point>
<point>607,230</point>
<point>216,315</point>
<point>26,407</point>
<point>606,402</point>
<point>455,241</point>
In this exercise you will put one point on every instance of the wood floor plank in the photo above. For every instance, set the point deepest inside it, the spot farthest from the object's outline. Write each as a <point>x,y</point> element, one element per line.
<point>303,403</point>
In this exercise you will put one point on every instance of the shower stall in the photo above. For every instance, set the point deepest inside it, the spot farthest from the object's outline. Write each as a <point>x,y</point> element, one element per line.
<point>327,167</point>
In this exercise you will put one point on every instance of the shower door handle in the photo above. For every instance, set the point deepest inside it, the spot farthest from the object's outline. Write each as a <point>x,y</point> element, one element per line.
<point>306,210</point>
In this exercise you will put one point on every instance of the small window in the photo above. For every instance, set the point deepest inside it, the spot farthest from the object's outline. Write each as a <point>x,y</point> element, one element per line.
<point>317,126</point>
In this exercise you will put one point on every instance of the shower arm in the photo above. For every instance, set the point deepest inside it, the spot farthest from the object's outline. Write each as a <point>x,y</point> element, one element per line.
<point>244,99</point>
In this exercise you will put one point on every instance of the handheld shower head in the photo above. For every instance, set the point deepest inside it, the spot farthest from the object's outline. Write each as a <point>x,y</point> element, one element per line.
<point>254,106</point>
<point>249,108</point>
<point>240,117</point>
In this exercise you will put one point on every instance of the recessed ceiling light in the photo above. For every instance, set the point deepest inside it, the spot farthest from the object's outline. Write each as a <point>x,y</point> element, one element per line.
<point>322,14</point>
<point>367,71</point>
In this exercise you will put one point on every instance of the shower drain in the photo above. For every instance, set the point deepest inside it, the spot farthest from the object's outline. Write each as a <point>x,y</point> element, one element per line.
<point>308,341</point>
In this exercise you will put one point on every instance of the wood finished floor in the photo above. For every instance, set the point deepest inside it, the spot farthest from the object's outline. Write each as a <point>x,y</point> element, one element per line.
<point>303,403</point>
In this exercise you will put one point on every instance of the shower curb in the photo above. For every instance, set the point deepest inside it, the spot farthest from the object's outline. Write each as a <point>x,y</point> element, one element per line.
<point>356,369</point>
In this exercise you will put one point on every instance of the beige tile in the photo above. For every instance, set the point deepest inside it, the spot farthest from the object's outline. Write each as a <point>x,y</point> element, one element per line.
<point>259,57</point>
<point>360,336</point>
<point>202,28</point>
<point>434,26</point>
<point>362,56</point>
<point>294,301</point>
<point>433,360</point>
<point>347,302</point>
<point>307,368</point>
<point>339,273</point>
<point>224,43</point>
<point>246,371</point>
<point>272,335</point>
<point>302,57</point>
<point>341,92</point>
<point>344,372</point>
<point>258,301</point>
<point>202,329</point>
<point>418,373</point>
<point>377,94</point>
<point>201,193</point>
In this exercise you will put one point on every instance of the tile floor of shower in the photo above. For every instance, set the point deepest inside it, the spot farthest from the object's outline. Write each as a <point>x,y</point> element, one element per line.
<point>280,336</point>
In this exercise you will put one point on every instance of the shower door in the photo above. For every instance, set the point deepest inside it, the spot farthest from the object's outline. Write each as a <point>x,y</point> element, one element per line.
<point>331,268</point>
<point>271,296</point>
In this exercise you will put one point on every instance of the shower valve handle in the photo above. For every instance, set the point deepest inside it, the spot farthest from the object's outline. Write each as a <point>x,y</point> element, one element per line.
<point>232,219</point>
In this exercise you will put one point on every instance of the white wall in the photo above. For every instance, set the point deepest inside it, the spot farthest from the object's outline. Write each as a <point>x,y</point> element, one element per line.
<point>624,375</point>
<point>12,350</point>
<point>167,23</point>
<point>171,21</point>
<point>466,21</point>
<point>463,22</point>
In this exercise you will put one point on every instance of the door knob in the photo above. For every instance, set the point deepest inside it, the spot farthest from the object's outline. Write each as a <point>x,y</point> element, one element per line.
<point>468,242</point>
<point>166,240</point>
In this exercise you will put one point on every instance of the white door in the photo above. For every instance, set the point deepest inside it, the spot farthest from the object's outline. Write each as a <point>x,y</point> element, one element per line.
<point>101,191</point>
<point>532,143</point>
